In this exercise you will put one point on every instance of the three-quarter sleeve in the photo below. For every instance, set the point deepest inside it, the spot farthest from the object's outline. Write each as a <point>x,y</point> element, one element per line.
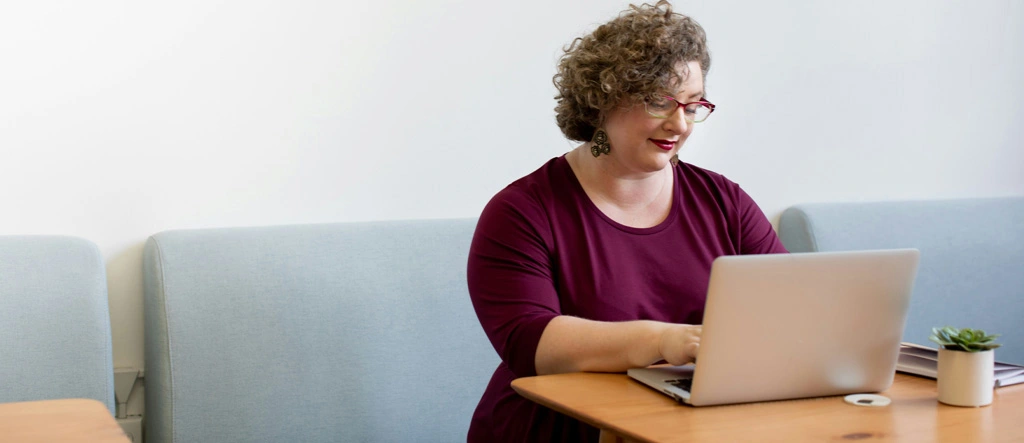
<point>510,277</point>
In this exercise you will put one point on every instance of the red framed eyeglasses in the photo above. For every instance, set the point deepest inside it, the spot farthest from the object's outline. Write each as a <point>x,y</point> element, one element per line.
<point>666,106</point>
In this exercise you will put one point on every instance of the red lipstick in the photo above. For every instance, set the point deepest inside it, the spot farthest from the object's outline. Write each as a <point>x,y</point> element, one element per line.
<point>664,144</point>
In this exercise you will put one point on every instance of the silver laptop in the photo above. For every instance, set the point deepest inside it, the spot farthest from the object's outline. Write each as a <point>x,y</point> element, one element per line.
<point>785,326</point>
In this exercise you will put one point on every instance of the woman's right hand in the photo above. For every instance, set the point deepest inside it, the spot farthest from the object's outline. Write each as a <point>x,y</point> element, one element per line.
<point>679,344</point>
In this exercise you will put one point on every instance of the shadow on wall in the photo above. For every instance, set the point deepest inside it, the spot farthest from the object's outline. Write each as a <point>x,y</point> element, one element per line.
<point>124,289</point>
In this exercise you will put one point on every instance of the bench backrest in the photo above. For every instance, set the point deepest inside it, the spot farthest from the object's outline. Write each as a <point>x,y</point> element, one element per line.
<point>972,258</point>
<point>313,333</point>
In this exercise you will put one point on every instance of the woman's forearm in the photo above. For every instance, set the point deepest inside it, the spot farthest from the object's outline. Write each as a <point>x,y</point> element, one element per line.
<point>571,344</point>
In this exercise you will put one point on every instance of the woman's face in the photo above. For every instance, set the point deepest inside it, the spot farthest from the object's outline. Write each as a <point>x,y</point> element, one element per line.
<point>641,143</point>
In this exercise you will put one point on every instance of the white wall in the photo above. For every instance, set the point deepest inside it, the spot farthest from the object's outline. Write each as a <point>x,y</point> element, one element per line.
<point>123,119</point>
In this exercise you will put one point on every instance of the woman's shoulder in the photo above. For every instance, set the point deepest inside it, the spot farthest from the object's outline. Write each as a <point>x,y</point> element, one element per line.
<point>536,187</point>
<point>691,172</point>
<point>531,195</point>
<point>524,208</point>
<point>713,189</point>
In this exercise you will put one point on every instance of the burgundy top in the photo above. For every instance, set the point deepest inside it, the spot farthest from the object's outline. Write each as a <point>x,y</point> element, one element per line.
<point>543,249</point>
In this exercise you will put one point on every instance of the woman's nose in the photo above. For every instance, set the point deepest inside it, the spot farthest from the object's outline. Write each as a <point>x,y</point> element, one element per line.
<point>677,122</point>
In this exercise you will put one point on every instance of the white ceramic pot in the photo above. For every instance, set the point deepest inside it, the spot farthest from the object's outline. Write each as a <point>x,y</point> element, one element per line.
<point>965,378</point>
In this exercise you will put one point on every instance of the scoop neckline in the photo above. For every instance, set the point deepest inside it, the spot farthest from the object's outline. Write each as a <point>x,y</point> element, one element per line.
<point>668,221</point>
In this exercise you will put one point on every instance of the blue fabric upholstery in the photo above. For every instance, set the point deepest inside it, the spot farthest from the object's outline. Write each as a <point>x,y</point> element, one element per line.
<point>54,321</point>
<point>312,333</point>
<point>972,258</point>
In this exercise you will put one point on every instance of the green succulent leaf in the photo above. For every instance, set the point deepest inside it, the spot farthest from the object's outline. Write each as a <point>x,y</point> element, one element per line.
<point>966,339</point>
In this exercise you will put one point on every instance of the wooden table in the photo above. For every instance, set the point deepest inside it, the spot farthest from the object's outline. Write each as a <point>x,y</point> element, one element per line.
<point>72,420</point>
<point>625,408</point>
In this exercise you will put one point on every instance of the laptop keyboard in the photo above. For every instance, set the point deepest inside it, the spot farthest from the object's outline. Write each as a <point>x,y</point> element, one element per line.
<point>682,383</point>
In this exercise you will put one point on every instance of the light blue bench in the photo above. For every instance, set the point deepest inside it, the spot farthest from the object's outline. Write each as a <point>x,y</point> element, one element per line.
<point>54,321</point>
<point>313,333</point>
<point>972,257</point>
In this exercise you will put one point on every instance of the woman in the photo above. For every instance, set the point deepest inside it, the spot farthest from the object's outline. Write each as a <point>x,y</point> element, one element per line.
<point>599,260</point>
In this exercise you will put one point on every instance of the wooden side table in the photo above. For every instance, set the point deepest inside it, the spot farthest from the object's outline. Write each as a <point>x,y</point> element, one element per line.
<point>621,407</point>
<point>70,420</point>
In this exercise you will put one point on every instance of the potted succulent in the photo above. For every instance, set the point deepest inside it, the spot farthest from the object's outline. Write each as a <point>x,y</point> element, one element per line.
<point>966,363</point>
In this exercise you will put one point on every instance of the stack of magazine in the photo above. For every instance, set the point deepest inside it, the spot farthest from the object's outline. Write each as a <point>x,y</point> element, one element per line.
<point>924,361</point>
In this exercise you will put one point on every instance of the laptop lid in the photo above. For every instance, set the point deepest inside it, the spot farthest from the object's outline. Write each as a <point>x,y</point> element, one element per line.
<point>785,326</point>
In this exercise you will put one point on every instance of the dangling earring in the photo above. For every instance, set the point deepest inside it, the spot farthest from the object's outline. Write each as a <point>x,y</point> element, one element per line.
<point>601,145</point>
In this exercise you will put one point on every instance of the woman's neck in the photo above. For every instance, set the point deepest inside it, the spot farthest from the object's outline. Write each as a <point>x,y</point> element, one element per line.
<point>633,199</point>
